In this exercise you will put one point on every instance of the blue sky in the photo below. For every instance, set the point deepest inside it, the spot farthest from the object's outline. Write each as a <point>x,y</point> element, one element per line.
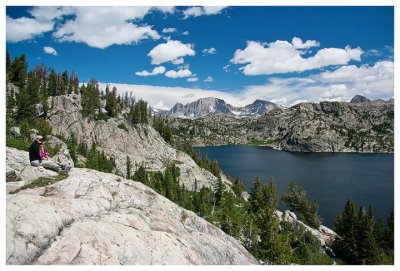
<point>179,54</point>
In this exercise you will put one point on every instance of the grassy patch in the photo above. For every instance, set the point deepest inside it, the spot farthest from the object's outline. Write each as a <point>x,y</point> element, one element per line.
<point>18,143</point>
<point>43,181</point>
<point>257,142</point>
<point>123,127</point>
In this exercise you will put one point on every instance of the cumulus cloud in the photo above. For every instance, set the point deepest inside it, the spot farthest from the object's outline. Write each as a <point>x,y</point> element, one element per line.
<point>298,43</point>
<point>209,79</point>
<point>193,79</point>
<point>169,30</point>
<point>24,28</point>
<point>155,71</point>
<point>210,51</point>
<point>178,74</point>
<point>185,33</point>
<point>101,27</point>
<point>283,57</point>
<point>50,50</point>
<point>200,11</point>
<point>170,51</point>
<point>177,61</point>
<point>47,13</point>
<point>98,27</point>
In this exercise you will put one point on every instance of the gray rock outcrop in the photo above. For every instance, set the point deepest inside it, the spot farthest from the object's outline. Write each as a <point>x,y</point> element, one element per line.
<point>19,172</point>
<point>144,146</point>
<point>100,218</point>
<point>323,233</point>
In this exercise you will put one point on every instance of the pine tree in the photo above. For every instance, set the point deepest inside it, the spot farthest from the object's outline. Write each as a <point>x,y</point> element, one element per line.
<point>140,175</point>
<point>346,226</point>
<point>296,200</point>
<point>238,187</point>
<point>273,248</point>
<point>111,102</point>
<point>18,71</point>
<point>229,217</point>
<point>52,83</point>
<point>72,145</point>
<point>128,167</point>
<point>366,244</point>
<point>8,64</point>
<point>90,99</point>
<point>255,196</point>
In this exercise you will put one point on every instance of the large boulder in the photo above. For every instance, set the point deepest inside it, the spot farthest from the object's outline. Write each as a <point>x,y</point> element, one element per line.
<point>63,156</point>
<point>100,218</point>
<point>27,176</point>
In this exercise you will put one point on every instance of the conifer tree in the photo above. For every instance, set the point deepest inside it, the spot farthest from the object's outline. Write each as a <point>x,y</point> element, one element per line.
<point>111,102</point>
<point>18,71</point>
<point>346,226</point>
<point>52,84</point>
<point>128,167</point>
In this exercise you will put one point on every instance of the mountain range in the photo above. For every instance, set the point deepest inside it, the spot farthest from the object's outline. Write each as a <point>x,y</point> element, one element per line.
<point>211,106</point>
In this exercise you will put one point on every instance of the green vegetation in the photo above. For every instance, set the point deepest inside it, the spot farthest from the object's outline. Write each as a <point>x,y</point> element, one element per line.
<point>296,200</point>
<point>257,142</point>
<point>19,143</point>
<point>163,128</point>
<point>123,127</point>
<point>254,223</point>
<point>210,165</point>
<point>138,112</point>
<point>43,181</point>
<point>360,241</point>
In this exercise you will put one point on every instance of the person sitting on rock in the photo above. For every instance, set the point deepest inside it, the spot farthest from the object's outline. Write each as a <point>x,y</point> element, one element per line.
<point>36,160</point>
<point>43,153</point>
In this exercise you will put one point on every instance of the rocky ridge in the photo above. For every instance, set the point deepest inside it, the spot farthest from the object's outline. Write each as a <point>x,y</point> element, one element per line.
<point>99,218</point>
<point>305,127</point>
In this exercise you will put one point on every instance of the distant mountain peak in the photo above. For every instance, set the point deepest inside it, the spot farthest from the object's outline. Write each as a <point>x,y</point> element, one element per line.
<point>359,99</point>
<point>211,106</point>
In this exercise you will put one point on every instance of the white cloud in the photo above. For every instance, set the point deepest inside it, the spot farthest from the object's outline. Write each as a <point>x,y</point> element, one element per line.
<point>101,27</point>
<point>48,13</point>
<point>211,10</point>
<point>178,74</point>
<point>98,27</point>
<point>155,71</point>
<point>209,79</point>
<point>50,50</point>
<point>193,11</point>
<point>169,51</point>
<point>376,81</point>
<point>200,11</point>
<point>226,68</point>
<point>169,30</point>
<point>193,79</point>
<point>177,61</point>
<point>298,43</point>
<point>210,51</point>
<point>185,33</point>
<point>282,57</point>
<point>25,28</point>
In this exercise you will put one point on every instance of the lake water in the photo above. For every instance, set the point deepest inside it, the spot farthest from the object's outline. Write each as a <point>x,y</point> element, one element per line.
<point>329,178</point>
